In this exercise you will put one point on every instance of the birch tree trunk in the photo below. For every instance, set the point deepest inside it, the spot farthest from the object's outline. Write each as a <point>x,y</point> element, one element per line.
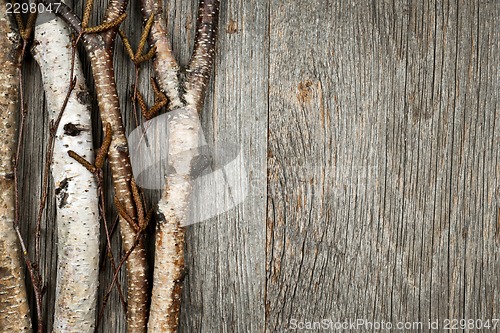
<point>169,244</point>
<point>14,310</point>
<point>100,49</point>
<point>75,187</point>
<point>183,143</point>
<point>173,209</point>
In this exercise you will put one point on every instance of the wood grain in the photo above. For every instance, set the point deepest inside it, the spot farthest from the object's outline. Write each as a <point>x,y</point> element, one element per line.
<point>383,169</point>
<point>371,135</point>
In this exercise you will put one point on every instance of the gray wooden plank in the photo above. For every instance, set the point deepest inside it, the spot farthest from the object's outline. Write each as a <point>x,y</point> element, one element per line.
<point>224,287</point>
<point>383,168</point>
<point>31,173</point>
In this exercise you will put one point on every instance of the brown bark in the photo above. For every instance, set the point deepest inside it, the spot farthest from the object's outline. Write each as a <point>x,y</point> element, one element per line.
<point>119,163</point>
<point>165,65</point>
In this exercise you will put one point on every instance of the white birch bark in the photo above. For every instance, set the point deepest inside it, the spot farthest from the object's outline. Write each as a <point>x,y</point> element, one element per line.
<point>164,63</point>
<point>14,309</point>
<point>75,186</point>
<point>173,210</point>
<point>183,141</point>
<point>100,47</point>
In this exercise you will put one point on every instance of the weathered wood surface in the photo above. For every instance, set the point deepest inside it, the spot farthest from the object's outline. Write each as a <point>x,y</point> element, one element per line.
<point>371,134</point>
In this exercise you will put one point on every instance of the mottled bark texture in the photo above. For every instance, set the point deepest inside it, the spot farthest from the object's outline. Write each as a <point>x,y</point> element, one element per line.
<point>14,310</point>
<point>183,140</point>
<point>100,50</point>
<point>75,186</point>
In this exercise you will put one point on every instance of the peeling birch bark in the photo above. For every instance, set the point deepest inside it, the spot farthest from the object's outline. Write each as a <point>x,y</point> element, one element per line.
<point>100,48</point>
<point>14,309</point>
<point>173,207</point>
<point>75,187</point>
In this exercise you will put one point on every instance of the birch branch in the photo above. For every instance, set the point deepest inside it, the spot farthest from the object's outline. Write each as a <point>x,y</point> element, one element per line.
<point>172,213</point>
<point>183,141</point>
<point>200,66</point>
<point>164,63</point>
<point>75,187</point>
<point>14,309</point>
<point>99,47</point>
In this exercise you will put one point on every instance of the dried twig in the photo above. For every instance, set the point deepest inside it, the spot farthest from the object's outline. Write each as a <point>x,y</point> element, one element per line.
<point>160,101</point>
<point>115,277</point>
<point>108,233</point>
<point>14,309</point>
<point>33,267</point>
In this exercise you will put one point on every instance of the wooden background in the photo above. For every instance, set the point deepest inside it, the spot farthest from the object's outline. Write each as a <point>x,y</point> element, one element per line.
<point>371,135</point>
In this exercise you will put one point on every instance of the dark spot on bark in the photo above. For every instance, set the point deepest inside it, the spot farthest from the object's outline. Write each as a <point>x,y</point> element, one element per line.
<point>63,199</point>
<point>122,152</point>
<point>63,186</point>
<point>71,129</point>
<point>170,170</point>
<point>9,176</point>
<point>4,272</point>
<point>122,148</point>
<point>83,97</point>
<point>184,273</point>
<point>160,217</point>
<point>61,192</point>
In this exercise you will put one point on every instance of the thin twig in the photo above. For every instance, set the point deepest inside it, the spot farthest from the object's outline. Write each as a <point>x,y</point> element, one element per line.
<point>33,270</point>
<point>108,238</point>
<point>14,307</point>
<point>48,162</point>
<point>134,104</point>
<point>114,280</point>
